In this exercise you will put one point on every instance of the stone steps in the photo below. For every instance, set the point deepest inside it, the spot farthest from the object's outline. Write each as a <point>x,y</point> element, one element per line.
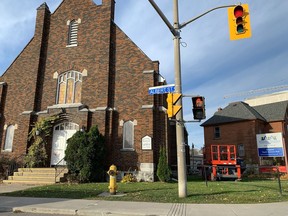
<point>37,176</point>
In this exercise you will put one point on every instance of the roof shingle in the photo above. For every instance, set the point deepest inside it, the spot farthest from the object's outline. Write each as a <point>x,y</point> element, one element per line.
<point>240,111</point>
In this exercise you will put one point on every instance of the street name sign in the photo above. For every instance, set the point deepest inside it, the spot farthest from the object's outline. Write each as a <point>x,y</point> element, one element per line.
<point>162,89</point>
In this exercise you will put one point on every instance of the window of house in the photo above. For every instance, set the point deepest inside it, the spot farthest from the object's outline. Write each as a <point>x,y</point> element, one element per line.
<point>69,88</point>
<point>9,138</point>
<point>217,132</point>
<point>128,135</point>
<point>241,150</point>
<point>73,32</point>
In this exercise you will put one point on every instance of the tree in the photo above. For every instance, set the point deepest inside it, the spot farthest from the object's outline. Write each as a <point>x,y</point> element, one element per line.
<point>85,156</point>
<point>163,170</point>
<point>39,134</point>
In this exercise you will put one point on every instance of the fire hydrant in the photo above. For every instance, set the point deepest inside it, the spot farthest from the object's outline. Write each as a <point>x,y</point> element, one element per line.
<point>112,172</point>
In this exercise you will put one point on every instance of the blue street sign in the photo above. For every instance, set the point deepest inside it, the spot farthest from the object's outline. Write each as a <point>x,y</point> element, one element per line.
<point>270,152</point>
<point>162,89</point>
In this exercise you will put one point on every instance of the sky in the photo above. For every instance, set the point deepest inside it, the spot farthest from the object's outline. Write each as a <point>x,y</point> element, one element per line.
<point>212,65</point>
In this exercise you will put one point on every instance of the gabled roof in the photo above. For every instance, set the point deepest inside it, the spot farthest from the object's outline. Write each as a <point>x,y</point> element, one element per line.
<point>274,111</point>
<point>240,111</point>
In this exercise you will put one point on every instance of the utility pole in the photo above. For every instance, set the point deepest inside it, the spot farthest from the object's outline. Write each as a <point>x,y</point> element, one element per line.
<point>175,30</point>
<point>181,155</point>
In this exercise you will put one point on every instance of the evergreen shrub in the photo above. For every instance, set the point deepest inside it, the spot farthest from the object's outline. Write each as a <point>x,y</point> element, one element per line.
<point>85,156</point>
<point>163,170</point>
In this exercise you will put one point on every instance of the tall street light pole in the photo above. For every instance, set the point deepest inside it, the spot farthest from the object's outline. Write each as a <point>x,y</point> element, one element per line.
<point>175,30</point>
<point>181,155</point>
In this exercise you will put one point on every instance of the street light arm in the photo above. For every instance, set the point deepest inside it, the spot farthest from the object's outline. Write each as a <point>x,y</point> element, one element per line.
<point>164,18</point>
<point>201,15</point>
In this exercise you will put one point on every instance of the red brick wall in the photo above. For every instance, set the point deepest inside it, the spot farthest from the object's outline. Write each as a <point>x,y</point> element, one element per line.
<point>21,78</point>
<point>241,133</point>
<point>115,79</point>
<point>234,133</point>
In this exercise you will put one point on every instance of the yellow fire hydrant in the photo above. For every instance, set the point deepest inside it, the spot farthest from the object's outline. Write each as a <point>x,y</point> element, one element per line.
<point>112,172</point>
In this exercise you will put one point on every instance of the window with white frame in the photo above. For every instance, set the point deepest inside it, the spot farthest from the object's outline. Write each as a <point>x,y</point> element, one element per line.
<point>128,135</point>
<point>73,32</point>
<point>9,138</point>
<point>69,87</point>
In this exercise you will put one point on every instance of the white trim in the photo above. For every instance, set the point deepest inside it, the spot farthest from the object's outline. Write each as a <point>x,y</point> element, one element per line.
<point>72,45</point>
<point>55,106</point>
<point>55,75</point>
<point>27,112</point>
<point>147,107</point>
<point>148,71</point>
<point>101,109</point>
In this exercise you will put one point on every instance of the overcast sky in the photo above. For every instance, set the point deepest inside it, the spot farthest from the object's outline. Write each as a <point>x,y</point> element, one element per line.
<point>212,65</point>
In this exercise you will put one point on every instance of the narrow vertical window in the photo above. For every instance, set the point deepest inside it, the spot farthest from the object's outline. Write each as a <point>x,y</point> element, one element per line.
<point>73,32</point>
<point>69,88</point>
<point>9,138</point>
<point>241,150</point>
<point>128,135</point>
<point>217,132</point>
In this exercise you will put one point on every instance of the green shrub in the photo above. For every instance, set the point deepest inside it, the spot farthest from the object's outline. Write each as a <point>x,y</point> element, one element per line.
<point>40,133</point>
<point>163,170</point>
<point>85,156</point>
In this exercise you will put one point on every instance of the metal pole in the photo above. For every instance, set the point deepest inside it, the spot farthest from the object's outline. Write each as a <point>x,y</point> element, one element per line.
<point>181,155</point>
<point>175,30</point>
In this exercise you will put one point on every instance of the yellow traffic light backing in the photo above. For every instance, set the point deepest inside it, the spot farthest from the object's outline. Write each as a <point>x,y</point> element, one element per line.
<point>239,22</point>
<point>170,105</point>
<point>172,99</point>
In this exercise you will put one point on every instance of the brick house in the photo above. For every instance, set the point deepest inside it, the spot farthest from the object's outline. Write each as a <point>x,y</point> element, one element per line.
<point>80,62</point>
<point>239,123</point>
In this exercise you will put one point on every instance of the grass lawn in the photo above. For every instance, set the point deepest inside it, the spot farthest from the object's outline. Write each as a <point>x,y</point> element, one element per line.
<point>261,191</point>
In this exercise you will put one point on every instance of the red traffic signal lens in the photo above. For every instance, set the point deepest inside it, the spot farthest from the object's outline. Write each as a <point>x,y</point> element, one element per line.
<point>238,11</point>
<point>198,102</point>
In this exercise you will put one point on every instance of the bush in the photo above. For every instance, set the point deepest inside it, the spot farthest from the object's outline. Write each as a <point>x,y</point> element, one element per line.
<point>163,170</point>
<point>5,165</point>
<point>129,177</point>
<point>38,136</point>
<point>85,156</point>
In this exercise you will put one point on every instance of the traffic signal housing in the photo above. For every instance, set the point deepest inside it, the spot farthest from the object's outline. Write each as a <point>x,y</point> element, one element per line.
<point>172,99</point>
<point>198,107</point>
<point>239,22</point>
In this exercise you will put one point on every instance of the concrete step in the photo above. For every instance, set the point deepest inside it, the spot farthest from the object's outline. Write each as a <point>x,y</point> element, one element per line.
<point>27,182</point>
<point>37,176</point>
<point>39,170</point>
<point>34,178</point>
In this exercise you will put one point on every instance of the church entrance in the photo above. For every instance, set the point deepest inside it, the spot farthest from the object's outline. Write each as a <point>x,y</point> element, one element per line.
<point>61,133</point>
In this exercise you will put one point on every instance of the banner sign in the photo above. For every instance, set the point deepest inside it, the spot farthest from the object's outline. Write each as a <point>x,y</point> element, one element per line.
<point>270,145</point>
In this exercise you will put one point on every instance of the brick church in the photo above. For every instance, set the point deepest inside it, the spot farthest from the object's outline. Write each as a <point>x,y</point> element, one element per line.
<point>81,63</point>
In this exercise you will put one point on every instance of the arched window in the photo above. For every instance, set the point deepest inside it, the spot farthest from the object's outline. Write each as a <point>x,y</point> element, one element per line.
<point>69,88</point>
<point>73,32</point>
<point>9,138</point>
<point>128,135</point>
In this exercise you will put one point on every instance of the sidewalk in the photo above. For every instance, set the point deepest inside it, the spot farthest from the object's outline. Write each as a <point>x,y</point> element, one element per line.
<point>117,208</point>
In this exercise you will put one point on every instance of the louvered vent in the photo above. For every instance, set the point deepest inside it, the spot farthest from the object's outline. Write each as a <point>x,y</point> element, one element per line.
<point>73,32</point>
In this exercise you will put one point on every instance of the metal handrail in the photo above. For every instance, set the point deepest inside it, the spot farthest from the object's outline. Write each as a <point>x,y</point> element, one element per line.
<point>15,165</point>
<point>56,168</point>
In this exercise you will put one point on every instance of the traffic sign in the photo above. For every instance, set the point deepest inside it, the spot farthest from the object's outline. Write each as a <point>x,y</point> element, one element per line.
<point>162,89</point>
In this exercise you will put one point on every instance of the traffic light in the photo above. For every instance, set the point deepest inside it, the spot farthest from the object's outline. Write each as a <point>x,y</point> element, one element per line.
<point>239,22</point>
<point>198,107</point>
<point>172,99</point>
